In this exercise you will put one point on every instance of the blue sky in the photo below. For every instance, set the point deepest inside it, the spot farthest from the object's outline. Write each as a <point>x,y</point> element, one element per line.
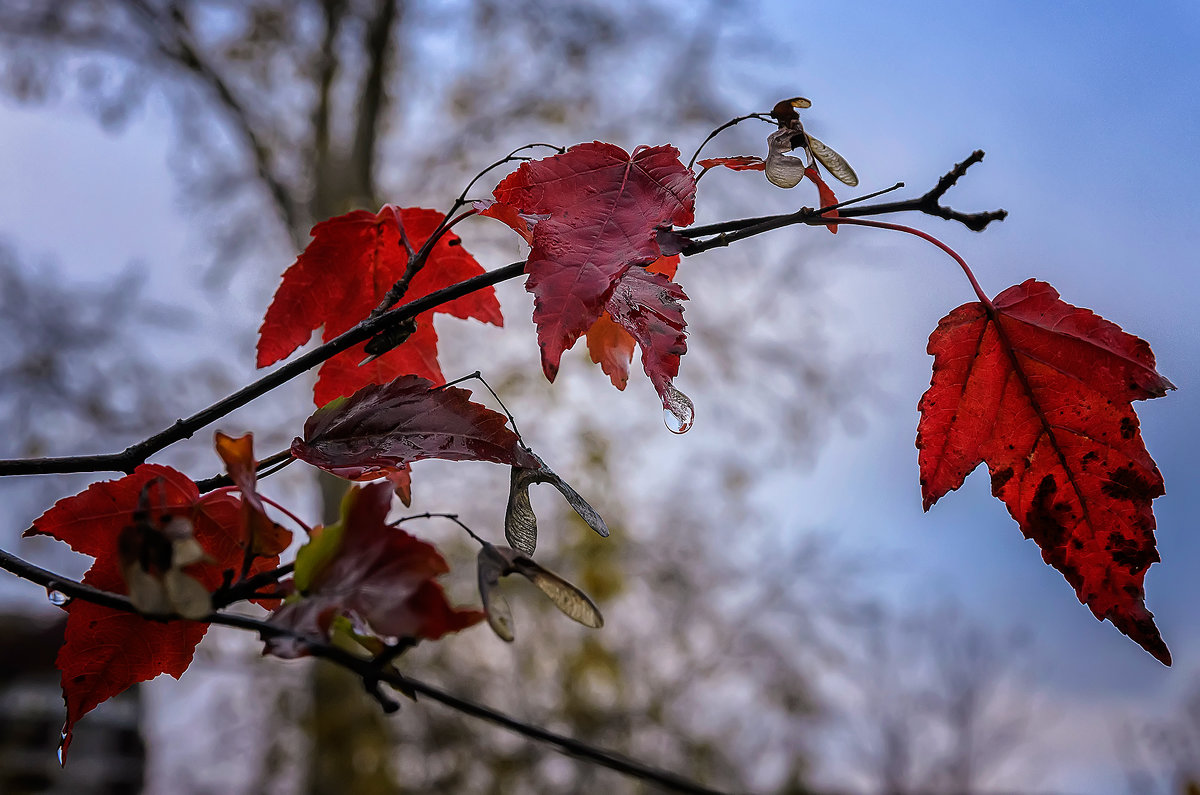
<point>1089,115</point>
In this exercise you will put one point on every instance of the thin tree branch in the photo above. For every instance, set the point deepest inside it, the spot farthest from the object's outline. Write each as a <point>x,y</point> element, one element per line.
<point>327,64</point>
<point>131,457</point>
<point>371,672</point>
<point>373,99</point>
<point>172,38</point>
<point>729,231</point>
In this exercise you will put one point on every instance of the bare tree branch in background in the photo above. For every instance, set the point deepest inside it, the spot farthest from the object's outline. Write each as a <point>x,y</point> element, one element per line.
<point>1169,752</point>
<point>941,709</point>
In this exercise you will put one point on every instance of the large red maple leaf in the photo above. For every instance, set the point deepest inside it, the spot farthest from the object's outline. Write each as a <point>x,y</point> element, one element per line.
<point>347,269</point>
<point>107,650</point>
<point>604,206</point>
<point>1041,391</point>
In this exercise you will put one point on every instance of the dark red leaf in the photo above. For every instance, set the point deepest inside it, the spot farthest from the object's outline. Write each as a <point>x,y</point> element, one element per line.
<point>381,428</point>
<point>107,650</point>
<point>1041,391</point>
<point>738,163</point>
<point>347,269</point>
<point>604,206</point>
<point>377,574</point>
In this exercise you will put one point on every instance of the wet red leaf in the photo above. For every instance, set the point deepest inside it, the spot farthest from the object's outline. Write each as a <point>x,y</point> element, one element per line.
<point>347,269</point>
<point>644,307</point>
<point>1041,391</point>
<point>604,206</point>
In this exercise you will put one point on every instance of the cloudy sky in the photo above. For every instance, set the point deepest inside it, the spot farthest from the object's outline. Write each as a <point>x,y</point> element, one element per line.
<point>1089,115</point>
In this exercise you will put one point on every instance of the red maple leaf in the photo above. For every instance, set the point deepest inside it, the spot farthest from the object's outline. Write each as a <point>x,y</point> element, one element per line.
<point>347,269</point>
<point>374,573</point>
<point>604,206</point>
<point>1041,391</point>
<point>644,307</point>
<point>380,429</point>
<point>107,650</point>
<point>737,163</point>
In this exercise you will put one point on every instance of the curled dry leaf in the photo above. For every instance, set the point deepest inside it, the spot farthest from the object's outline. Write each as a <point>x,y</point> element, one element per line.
<point>379,430</point>
<point>493,563</point>
<point>265,536</point>
<point>496,562</point>
<point>784,111</point>
<point>520,523</point>
<point>781,168</point>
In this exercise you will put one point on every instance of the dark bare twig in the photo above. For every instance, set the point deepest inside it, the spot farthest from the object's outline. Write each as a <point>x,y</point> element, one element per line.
<point>248,587</point>
<point>479,377</point>
<point>729,231</point>
<point>264,468</point>
<point>930,202</point>
<point>417,261</point>
<point>173,40</point>
<point>726,126</point>
<point>370,670</point>
<point>453,517</point>
<point>805,215</point>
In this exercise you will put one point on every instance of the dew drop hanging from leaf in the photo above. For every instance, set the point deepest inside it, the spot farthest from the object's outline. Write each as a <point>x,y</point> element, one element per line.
<point>678,411</point>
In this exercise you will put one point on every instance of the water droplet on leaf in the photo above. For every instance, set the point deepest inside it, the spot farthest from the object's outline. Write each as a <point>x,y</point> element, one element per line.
<point>678,411</point>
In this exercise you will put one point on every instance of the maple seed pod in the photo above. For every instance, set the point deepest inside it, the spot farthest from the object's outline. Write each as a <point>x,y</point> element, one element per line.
<point>782,169</point>
<point>520,523</point>
<point>496,562</point>
<point>784,111</point>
